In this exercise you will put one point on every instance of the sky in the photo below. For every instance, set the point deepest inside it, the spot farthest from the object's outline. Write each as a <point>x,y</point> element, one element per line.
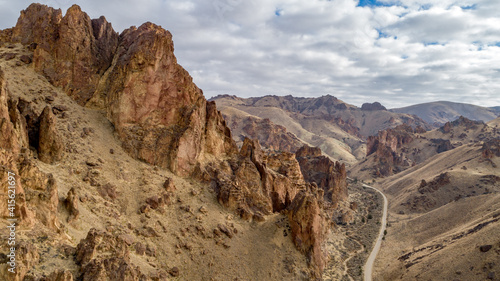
<point>396,52</point>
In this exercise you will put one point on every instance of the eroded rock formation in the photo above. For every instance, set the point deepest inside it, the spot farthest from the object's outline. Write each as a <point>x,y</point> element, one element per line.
<point>50,146</point>
<point>159,113</point>
<point>271,136</point>
<point>310,226</point>
<point>386,148</point>
<point>162,118</point>
<point>103,256</point>
<point>71,51</point>
<point>328,175</point>
<point>247,185</point>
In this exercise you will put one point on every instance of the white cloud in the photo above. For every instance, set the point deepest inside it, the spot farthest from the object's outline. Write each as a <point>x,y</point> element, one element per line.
<point>409,52</point>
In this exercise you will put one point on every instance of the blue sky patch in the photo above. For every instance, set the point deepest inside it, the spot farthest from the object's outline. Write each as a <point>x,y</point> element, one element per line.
<point>372,3</point>
<point>470,7</point>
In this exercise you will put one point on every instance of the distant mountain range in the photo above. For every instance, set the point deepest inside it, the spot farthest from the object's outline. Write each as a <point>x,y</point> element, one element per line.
<point>283,122</point>
<point>496,109</point>
<point>440,112</point>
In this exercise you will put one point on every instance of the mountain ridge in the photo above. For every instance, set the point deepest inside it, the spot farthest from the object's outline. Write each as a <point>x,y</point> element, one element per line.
<point>440,112</point>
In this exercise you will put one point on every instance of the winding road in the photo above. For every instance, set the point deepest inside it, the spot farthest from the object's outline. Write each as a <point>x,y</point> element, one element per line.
<point>371,259</point>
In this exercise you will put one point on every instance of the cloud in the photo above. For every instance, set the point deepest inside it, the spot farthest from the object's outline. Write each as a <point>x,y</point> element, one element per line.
<point>395,52</point>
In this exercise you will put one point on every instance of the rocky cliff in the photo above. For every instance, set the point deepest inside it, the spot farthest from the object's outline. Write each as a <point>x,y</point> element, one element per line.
<point>158,112</point>
<point>256,185</point>
<point>324,173</point>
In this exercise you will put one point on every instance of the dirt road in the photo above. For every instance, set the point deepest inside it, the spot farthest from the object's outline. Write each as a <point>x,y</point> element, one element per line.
<point>371,259</point>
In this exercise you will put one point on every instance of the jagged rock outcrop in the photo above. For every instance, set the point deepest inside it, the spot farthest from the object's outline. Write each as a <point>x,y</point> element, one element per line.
<point>310,225</point>
<point>71,204</point>
<point>36,192</point>
<point>257,184</point>
<point>373,106</point>
<point>328,175</point>
<point>13,140</point>
<point>439,181</point>
<point>463,122</point>
<point>50,146</point>
<point>386,147</point>
<point>491,148</point>
<point>246,183</point>
<point>391,138</point>
<point>159,113</point>
<point>27,256</point>
<point>71,51</point>
<point>103,256</point>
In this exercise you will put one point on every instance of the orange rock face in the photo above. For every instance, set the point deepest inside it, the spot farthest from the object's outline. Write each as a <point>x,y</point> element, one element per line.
<point>250,186</point>
<point>50,146</point>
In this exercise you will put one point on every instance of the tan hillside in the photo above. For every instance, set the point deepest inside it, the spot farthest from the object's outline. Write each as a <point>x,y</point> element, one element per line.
<point>444,217</point>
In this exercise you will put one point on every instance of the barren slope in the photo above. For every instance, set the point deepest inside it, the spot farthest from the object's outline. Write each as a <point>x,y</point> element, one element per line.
<point>112,187</point>
<point>444,215</point>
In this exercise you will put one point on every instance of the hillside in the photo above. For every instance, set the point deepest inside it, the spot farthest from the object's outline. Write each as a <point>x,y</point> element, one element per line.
<point>440,112</point>
<point>394,150</point>
<point>426,238</point>
<point>338,128</point>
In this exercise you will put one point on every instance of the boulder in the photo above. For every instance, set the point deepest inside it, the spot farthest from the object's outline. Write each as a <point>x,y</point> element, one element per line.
<point>71,204</point>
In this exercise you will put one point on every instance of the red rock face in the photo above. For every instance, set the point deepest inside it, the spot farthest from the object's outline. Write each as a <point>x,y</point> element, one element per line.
<point>386,146</point>
<point>158,112</point>
<point>309,226</point>
<point>328,175</point>
<point>271,136</point>
<point>50,146</point>
<point>392,138</point>
<point>252,187</point>
<point>71,51</point>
